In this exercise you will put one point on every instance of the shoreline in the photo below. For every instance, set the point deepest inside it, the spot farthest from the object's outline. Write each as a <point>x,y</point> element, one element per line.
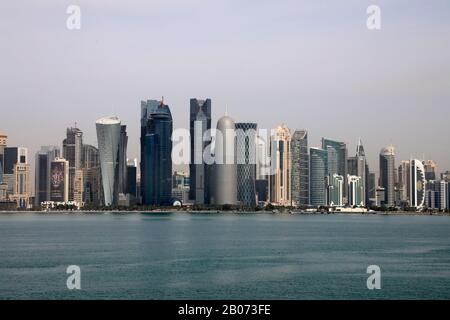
<point>217,212</point>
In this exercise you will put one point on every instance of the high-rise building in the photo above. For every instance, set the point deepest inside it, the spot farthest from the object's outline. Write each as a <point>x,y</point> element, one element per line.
<point>3,140</point>
<point>72,152</point>
<point>122,174</point>
<point>199,125</point>
<point>300,168</point>
<point>44,158</point>
<point>280,180</point>
<point>362,171</point>
<point>336,191</point>
<point>430,167</point>
<point>156,153</point>
<point>91,175</point>
<point>404,172</point>
<point>318,176</point>
<point>417,184</point>
<point>14,156</point>
<point>59,180</point>
<point>444,195</point>
<point>387,175</point>
<point>225,168</point>
<point>352,166</point>
<point>337,158</point>
<point>180,186</point>
<point>108,137</point>
<point>246,163</point>
<point>372,187</point>
<point>22,185</point>
<point>433,194</point>
<point>131,178</point>
<point>355,191</point>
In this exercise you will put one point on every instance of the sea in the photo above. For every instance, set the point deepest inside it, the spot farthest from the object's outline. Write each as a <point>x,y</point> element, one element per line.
<point>148,256</point>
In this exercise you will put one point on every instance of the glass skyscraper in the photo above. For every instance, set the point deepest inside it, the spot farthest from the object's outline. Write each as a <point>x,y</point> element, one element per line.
<point>43,160</point>
<point>200,120</point>
<point>300,168</point>
<point>246,163</point>
<point>318,176</point>
<point>156,153</point>
<point>337,158</point>
<point>387,174</point>
<point>72,149</point>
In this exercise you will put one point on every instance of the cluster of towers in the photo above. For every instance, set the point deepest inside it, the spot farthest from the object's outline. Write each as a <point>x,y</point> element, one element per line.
<point>232,164</point>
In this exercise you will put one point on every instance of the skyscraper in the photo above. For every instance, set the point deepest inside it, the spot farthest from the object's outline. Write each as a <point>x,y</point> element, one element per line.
<point>336,191</point>
<point>404,172</point>
<point>131,177</point>
<point>300,168</point>
<point>44,158</point>
<point>14,156</point>
<point>418,182</point>
<point>387,174</point>
<point>108,137</point>
<point>225,168</point>
<point>318,176</point>
<point>280,180</point>
<point>3,139</point>
<point>362,171</point>
<point>122,174</point>
<point>91,175</point>
<point>355,191</point>
<point>156,153</point>
<point>200,123</point>
<point>72,149</point>
<point>337,158</point>
<point>246,163</point>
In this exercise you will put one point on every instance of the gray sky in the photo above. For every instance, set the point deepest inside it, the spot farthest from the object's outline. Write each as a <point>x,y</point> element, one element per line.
<point>309,64</point>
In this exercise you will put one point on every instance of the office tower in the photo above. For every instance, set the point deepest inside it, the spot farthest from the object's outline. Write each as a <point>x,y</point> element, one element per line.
<point>13,156</point>
<point>122,174</point>
<point>59,180</point>
<point>246,163</point>
<point>108,137</point>
<point>22,191</point>
<point>262,190</point>
<point>387,174</point>
<point>156,153</point>
<point>3,139</point>
<point>300,168</point>
<point>337,158</point>
<point>362,170</point>
<point>417,183</point>
<point>372,187</point>
<point>199,125</point>
<point>225,168</point>
<point>430,170</point>
<point>280,180</point>
<point>432,194</point>
<point>72,149</point>
<point>318,176</point>
<point>380,196</point>
<point>355,191</point>
<point>403,180</point>
<point>91,175</point>
<point>43,160</point>
<point>445,176</point>
<point>336,191</point>
<point>444,195</point>
<point>132,177</point>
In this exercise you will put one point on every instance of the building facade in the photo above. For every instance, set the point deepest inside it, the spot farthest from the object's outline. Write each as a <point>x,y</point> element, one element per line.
<point>337,158</point>
<point>72,152</point>
<point>156,153</point>
<point>318,176</point>
<point>43,160</point>
<point>355,191</point>
<point>300,168</point>
<point>199,126</point>
<point>246,163</point>
<point>336,191</point>
<point>280,180</point>
<point>417,184</point>
<point>387,175</point>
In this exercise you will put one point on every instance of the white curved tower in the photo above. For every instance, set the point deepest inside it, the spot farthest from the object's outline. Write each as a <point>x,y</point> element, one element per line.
<point>225,169</point>
<point>108,137</point>
<point>417,183</point>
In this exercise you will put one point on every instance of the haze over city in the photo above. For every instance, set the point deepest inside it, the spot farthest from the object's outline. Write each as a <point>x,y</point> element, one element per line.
<point>311,65</point>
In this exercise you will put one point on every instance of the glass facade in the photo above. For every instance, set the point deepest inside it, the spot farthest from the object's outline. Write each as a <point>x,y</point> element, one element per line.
<point>300,168</point>
<point>246,166</point>
<point>318,176</point>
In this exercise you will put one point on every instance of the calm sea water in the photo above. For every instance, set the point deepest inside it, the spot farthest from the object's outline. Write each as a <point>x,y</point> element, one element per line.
<point>224,256</point>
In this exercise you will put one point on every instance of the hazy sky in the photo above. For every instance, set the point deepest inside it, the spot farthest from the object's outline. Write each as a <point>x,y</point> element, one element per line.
<point>309,64</point>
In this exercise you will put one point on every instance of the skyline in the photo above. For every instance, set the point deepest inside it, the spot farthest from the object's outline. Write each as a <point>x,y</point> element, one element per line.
<point>318,66</point>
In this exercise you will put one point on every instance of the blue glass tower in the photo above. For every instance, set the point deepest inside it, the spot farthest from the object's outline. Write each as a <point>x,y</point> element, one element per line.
<point>318,176</point>
<point>156,152</point>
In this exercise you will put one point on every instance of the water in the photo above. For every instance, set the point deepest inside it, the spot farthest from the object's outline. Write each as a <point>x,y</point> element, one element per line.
<point>224,256</point>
